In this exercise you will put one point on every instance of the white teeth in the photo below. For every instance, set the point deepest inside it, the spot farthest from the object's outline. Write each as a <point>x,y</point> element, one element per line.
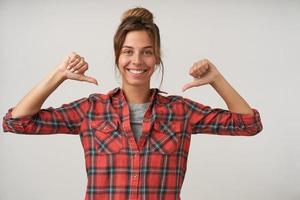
<point>136,71</point>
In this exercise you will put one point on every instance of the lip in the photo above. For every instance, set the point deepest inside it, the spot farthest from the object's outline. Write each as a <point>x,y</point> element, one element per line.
<point>136,75</point>
<point>138,69</point>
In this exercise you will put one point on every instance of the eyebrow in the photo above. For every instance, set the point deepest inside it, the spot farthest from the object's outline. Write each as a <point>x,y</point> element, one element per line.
<point>146,47</point>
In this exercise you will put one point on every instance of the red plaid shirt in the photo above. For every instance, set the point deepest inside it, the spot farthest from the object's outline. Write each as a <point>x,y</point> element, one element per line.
<point>117,167</point>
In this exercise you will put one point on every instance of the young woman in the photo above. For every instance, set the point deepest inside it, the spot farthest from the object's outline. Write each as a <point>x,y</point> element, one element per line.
<point>136,140</point>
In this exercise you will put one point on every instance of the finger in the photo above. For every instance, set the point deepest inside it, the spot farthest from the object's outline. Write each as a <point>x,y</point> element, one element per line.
<point>196,73</point>
<point>202,70</point>
<point>196,65</point>
<point>66,60</point>
<point>81,77</point>
<point>72,63</point>
<point>73,56</point>
<point>78,65</point>
<point>82,69</point>
<point>90,80</point>
<point>192,71</point>
<point>193,68</point>
<point>188,86</point>
<point>75,60</point>
<point>199,71</point>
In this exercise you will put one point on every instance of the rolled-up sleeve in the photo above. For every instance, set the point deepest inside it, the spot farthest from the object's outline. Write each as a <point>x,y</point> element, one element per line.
<point>204,119</point>
<point>65,119</point>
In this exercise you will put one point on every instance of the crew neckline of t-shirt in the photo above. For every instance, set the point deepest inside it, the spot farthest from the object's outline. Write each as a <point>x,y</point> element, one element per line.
<point>139,104</point>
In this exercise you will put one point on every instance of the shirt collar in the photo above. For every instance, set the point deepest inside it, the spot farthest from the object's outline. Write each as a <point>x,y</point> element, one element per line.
<point>118,92</point>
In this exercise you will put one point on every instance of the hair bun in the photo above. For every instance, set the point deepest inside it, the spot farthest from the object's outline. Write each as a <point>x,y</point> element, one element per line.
<point>139,12</point>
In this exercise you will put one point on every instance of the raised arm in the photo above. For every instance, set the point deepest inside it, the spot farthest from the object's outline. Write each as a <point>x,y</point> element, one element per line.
<point>240,120</point>
<point>204,72</point>
<point>71,67</point>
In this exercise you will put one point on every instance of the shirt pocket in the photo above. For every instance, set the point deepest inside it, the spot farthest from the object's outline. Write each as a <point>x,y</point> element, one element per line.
<point>166,137</point>
<point>108,139</point>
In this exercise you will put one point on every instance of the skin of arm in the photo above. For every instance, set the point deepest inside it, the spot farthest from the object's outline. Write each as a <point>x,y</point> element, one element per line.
<point>72,67</point>
<point>204,72</point>
<point>233,100</point>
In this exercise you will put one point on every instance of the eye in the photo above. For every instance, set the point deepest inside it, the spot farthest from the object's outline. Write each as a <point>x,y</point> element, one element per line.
<point>148,52</point>
<point>127,52</point>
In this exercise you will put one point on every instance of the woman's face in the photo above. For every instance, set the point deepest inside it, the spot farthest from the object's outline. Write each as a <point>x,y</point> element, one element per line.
<point>137,60</point>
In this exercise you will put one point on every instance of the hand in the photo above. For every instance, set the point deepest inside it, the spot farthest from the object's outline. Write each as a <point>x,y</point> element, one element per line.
<point>73,67</point>
<point>203,72</point>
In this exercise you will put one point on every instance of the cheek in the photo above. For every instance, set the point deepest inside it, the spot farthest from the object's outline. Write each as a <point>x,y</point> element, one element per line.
<point>122,62</point>
<point>151,62</point>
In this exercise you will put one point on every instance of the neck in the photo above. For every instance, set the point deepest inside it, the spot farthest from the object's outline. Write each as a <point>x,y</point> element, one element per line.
<point>136,94</point>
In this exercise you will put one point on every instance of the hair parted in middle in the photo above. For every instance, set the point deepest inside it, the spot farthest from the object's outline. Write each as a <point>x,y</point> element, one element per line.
<point>138,19</point>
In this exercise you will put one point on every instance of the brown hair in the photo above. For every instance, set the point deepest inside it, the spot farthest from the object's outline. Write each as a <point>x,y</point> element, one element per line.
<point>136,19</point>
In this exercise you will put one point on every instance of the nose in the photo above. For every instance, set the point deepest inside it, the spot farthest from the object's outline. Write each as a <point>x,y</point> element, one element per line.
<point>137,59</point>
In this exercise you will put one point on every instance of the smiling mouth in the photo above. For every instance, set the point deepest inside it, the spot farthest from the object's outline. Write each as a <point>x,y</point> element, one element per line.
<point>137,71</point>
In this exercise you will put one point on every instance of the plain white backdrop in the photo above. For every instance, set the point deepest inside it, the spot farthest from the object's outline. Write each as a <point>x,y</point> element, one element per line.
<point>255,44</point>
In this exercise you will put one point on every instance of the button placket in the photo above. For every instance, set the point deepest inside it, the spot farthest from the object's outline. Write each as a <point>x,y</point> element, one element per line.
<point>135,173</point>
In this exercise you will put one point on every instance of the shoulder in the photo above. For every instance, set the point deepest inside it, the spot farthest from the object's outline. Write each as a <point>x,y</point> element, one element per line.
<point>109,97</point>
<point>171,101</point>
<point>172,105</point>
<point>168,99</point>
<point>98,97</point>
<point>164,98</point>
<point>176,100</point>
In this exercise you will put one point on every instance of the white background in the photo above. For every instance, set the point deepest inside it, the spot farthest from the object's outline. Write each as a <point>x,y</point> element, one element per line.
<point>255,44</point>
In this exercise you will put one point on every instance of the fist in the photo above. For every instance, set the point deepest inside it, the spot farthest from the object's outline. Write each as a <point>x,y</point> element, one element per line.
<point>73,67</point>
<point>203,72</point>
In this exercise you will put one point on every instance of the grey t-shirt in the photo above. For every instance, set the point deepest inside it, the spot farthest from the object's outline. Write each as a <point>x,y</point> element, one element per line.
<point>137,112</point>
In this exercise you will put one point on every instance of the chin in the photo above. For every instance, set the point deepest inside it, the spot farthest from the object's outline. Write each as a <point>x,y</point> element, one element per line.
<point>137,83</point>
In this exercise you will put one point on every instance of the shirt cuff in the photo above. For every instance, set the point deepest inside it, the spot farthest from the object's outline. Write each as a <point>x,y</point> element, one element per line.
<point>15,124</point>
<point>251,122</point>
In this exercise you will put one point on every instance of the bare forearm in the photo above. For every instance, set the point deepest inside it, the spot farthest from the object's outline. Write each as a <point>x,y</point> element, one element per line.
<point>33,101</point>
<point>233,100</point>
<point>71,67</point>
<point>204,72</point>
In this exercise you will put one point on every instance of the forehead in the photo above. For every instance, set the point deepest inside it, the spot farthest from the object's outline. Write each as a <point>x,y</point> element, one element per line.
<point>137,39</point>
